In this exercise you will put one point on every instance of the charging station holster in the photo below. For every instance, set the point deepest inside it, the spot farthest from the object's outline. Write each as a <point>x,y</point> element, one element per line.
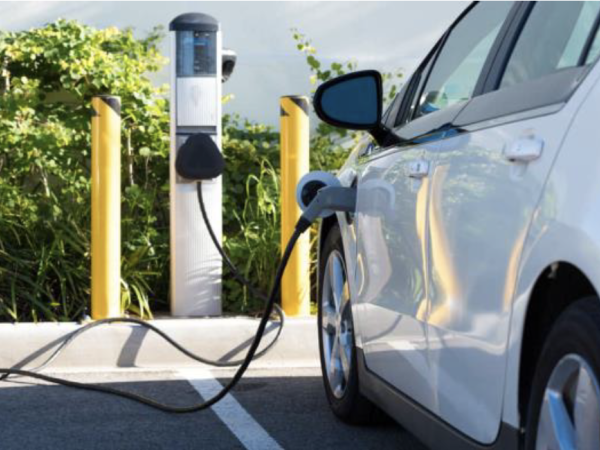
<point>199,158</point>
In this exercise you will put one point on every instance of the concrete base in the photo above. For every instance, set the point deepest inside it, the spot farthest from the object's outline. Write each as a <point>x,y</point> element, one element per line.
<point>127,345</point>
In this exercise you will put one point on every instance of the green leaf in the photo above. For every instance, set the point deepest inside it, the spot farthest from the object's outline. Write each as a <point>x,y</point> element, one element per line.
<point>313,62</point>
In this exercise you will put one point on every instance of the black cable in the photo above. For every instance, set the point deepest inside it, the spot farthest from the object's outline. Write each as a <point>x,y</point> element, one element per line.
<point>71,337</point>
<point>234,270</point>
<point>237,275</point>
<point>208,403</point>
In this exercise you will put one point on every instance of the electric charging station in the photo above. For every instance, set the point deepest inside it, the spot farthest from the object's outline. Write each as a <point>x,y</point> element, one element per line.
<point>197,72</point>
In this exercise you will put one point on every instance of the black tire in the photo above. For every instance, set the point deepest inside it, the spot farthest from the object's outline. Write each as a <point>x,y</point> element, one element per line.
<point>352,407</point>
<point>576,331</point>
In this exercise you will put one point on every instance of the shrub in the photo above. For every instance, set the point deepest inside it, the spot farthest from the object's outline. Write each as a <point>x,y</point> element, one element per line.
<point>48,76</point>
<point>251,227</point>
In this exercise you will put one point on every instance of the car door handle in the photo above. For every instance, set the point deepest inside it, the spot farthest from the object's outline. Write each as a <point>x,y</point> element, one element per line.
<point>524,150</point>
<point>418,169</point>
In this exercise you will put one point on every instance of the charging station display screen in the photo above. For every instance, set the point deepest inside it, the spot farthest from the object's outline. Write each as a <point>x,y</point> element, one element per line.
<point>196,53</point>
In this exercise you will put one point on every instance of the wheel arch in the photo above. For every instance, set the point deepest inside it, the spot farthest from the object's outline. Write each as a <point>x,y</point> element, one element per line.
<point>559,285</point>
<point>326,225</point>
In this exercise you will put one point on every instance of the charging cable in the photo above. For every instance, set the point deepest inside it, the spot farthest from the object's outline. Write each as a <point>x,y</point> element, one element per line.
<point>192,408</point>
<point>237,275</point>
<point>234,270</point>
<point>329,198</point>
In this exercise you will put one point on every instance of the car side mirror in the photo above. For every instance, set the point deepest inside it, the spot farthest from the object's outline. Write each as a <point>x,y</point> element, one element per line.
<point>351,101</point>
<point>355,102</point>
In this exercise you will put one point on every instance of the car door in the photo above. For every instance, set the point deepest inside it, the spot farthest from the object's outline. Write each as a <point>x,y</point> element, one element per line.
<point>487,176</point>
<point>391,220</point>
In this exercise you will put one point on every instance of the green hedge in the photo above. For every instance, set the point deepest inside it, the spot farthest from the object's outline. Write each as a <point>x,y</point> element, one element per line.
<point>48,76</point>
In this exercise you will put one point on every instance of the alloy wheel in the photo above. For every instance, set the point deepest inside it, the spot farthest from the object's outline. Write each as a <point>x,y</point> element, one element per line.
<point>570,413</point>
<point>336,321</point>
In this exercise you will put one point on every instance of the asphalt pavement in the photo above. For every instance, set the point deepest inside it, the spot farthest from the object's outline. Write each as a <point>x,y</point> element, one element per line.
<point>274,408</point>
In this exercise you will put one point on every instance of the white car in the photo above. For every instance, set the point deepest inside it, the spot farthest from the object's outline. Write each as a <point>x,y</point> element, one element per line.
<point>461,298</point>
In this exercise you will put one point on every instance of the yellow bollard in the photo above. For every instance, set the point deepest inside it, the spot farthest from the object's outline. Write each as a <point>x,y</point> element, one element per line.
<point>295,285</point>
<point>106,207</point>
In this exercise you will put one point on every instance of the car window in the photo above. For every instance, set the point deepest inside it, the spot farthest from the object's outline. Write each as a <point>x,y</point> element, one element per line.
<point>552,39</point>
<point>594,50</point>
<point>459,63</point>
<point>419,80</point>
<point>390,114</point>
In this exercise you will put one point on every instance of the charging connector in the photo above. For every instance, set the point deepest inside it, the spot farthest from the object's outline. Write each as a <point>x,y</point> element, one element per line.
<point>330,198</point>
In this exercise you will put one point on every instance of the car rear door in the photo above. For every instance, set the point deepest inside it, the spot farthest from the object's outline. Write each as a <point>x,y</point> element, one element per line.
<point>487,176</point>
<point>393,195</point>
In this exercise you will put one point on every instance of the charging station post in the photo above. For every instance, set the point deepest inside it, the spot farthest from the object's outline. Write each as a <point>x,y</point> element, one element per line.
<point>106,207</point>
<point>196,78</point>
<point>294,136</point>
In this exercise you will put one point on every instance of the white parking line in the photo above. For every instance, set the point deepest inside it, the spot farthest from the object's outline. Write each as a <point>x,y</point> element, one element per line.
<point>232,414</point>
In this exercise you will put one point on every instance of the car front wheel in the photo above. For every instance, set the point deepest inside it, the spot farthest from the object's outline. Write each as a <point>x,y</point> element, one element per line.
<point>565,399</point>
<point>336,336</point>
